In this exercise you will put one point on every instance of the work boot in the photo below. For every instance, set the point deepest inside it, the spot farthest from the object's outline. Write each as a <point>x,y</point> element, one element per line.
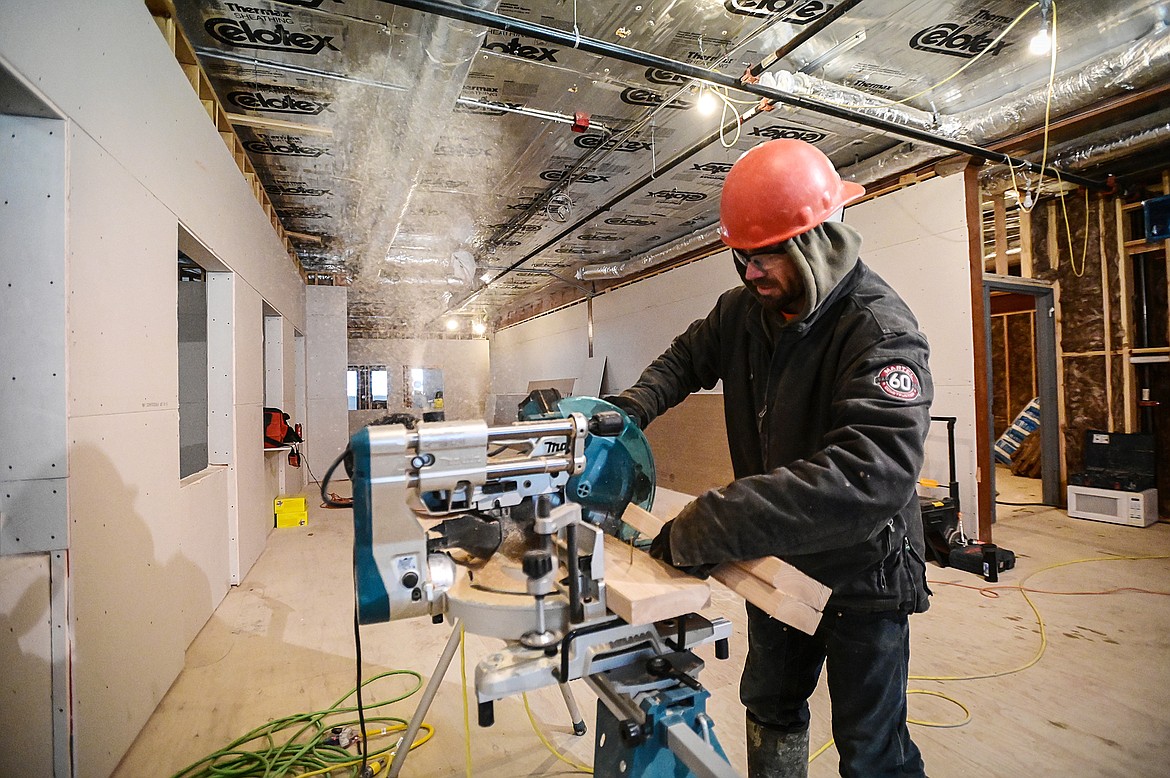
<point>775,754</point>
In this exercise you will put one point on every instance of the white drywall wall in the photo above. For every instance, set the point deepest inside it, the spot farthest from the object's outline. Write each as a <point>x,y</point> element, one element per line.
<point>327,425</point>
<point>26,657</point>
<point>631,326</point>
<point>149,555</point>
<point>915,238</point>
<point>465,374</point>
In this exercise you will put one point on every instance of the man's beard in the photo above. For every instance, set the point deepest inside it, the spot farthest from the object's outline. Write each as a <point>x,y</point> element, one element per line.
<point>789,303</point>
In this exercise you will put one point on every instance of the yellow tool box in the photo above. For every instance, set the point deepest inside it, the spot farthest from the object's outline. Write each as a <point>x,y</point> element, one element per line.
<point>291,511</point>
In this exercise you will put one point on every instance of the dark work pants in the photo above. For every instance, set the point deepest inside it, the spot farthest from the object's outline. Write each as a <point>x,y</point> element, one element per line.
<point>866,656</point>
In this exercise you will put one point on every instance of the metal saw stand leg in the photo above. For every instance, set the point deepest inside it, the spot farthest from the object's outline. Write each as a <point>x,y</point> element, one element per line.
<point>574,711</point>
<point>424,703</point>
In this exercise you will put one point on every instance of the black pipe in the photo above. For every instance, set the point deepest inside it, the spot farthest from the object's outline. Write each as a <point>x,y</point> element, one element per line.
<point>643,59</point>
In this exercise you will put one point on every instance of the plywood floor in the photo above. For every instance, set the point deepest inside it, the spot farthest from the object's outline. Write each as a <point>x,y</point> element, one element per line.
<point>1097,703</point>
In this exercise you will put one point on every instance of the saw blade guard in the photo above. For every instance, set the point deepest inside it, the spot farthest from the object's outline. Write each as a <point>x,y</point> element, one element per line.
<point>618,470</point>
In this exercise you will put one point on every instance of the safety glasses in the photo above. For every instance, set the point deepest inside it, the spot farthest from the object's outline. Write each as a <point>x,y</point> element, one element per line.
<point>764,259</point>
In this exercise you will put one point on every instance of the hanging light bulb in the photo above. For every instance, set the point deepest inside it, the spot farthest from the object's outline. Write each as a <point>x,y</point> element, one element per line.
<point>1040,43</point>
<point>452,325</point>
<point>707,102</point>
<point>478,328</point>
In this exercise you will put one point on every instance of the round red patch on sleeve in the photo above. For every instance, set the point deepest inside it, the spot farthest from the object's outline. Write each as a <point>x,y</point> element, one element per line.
<point>898,381</point>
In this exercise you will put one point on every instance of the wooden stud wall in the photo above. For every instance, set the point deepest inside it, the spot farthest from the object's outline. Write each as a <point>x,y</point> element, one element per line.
<point>1087,250</point>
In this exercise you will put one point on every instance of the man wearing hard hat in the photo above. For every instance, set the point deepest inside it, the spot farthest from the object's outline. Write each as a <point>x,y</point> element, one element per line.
<point>827,394</point>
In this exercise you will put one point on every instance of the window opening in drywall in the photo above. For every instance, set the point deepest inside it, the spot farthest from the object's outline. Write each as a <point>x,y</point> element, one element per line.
<point>367,387</point>
<point>273,358</point>
<point>351,388</point>
<point>423,388</point>
<point>193,402</point>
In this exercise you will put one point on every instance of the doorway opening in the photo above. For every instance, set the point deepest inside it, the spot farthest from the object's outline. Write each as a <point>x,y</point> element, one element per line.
<point>1032,330</point>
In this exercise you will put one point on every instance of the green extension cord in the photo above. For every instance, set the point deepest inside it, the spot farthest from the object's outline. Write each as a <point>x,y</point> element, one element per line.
<point>295,745</point>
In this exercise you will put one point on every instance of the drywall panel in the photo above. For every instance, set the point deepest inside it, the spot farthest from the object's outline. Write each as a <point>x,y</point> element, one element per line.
<point>136,589</point>
<point>465,373</point>
<point>254,495</point>
<point>632,326</point>
<point>26,727</point>
<point>327,424</point>
<point>903,217</point>
<point>33,462</point>
<point>198,533</point>
<point>123,326</point>
<point>549,347</point>
<point>916,239</point>
<point>637,323</point>
<point>108,68</point>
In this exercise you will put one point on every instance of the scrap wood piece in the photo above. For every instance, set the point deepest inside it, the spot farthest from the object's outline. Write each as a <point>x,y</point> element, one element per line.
<point>772,585</point>
<point>643,590</point>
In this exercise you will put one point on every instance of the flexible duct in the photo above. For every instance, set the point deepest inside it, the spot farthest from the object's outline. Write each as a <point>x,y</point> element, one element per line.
<point>1138,65</point>
<point>1099,148</point>
<point>685,244</point>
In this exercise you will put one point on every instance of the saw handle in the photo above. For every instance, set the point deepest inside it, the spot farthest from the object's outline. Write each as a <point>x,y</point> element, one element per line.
<point>607,424</point>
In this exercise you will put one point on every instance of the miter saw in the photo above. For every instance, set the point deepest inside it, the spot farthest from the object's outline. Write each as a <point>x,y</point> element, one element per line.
<point>501,530</point>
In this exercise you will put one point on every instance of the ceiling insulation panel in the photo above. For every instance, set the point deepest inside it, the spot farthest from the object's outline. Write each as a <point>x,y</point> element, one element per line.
<point>445,166</point>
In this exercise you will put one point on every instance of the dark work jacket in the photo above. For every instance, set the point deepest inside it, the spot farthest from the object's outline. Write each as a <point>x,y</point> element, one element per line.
<point>826,430</point>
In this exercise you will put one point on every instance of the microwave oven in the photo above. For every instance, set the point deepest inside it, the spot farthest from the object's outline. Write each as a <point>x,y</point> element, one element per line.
<point>1133,509</point>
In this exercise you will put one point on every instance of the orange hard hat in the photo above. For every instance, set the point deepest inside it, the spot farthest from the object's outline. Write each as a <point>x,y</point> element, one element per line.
<point>778,190</point>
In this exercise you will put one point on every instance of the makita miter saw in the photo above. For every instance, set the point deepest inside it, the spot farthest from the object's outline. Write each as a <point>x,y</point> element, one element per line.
<point>501,530</point>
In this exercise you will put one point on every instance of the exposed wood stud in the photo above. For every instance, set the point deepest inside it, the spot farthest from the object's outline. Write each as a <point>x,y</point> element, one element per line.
<point>1125,285</point>
<point>1026,270</point>
<point>1001,257</point>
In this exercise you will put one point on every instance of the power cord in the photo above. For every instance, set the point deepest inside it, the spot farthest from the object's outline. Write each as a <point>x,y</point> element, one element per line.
<point>312,743</point>
<point>327,499</point>
<point>993,592</point>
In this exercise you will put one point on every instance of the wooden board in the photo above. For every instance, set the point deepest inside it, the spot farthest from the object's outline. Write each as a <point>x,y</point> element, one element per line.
<point>685,460</point>
<point>642,590</point>
<point>772,585</point>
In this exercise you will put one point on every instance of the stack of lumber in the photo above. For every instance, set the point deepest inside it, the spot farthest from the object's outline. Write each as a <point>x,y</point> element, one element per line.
<point>773,586</point>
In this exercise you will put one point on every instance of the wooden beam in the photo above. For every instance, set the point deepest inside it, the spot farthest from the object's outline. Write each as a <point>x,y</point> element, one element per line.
<point>1107,311</point>
<point>1000,213</point>
<point>643,590</point>
<point>1125,285</point>
<point>772,585</point>
<point>1026,270</point>
<point>983,426</point>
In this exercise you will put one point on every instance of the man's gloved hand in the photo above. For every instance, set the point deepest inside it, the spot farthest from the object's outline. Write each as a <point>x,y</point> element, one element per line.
<point>660,546</point>
<point>630,408</point>
<point>660,549</point>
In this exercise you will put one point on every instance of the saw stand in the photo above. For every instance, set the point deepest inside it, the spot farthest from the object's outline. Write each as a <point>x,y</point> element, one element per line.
<point>432,687</point>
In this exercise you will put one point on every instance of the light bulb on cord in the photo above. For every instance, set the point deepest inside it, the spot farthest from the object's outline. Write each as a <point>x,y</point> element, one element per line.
<point>452,325</point>
<point>1040,43</point>
<point>478,327</point>
<point>707,102</point>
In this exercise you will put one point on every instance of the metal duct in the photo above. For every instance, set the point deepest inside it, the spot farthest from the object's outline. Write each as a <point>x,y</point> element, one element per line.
<point>1102,147</point>
<point>1142,64</point>
<point>804,85</point>
<point>394,163</point>
<point>684,245</point>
